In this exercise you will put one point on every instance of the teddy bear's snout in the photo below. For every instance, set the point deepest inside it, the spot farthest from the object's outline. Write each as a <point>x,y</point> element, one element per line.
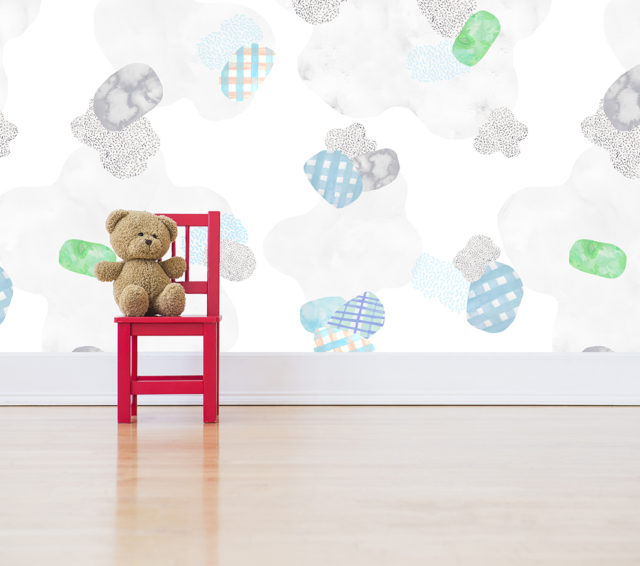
<point>148,242</point>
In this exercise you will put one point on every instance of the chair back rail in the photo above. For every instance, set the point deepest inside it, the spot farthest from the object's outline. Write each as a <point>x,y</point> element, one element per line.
<point>210,287</point>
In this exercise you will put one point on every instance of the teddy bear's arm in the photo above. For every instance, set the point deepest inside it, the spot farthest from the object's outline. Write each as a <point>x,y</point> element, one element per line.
<point>174,267</point>
<point>108,270</point>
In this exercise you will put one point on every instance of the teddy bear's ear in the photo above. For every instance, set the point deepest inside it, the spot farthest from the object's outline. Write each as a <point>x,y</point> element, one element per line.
<point>171,226</point>
<point>114,218</point>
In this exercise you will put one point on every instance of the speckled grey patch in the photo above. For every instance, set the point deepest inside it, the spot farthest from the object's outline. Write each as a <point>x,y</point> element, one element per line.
<point>317,11</point>
<point>473,259</point>
<point>8,132</point>
<point>126,96</point>
<point>87,349</point>
<point>237,261</point>
<point>501,132</point>
<point>377,168</point>
<point>621,102</point>
<point>352,140</point>
<point>623,146</point>
<point>123,153</point>
<point>447,16</point>
<point>597,349</point>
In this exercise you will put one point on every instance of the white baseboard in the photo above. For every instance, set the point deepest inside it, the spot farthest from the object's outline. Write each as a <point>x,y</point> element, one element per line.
<point>339,379</point>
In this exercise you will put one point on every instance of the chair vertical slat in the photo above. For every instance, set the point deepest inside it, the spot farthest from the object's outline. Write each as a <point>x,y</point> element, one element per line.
<point>124,373</point>
<point>134,373</point>
<point>187,230</point>
<point>213,264</point>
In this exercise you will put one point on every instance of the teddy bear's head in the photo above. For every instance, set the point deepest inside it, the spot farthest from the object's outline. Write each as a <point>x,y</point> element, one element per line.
<point>136,234</point>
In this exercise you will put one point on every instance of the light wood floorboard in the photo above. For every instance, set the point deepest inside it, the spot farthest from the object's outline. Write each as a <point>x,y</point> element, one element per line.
<point>475,486</point>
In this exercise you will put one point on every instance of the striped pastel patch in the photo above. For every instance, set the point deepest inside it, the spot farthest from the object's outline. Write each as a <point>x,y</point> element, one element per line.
<point>333,175</point>
<point>340,340</point>
<point>246,71</point>
<point>494,298</point>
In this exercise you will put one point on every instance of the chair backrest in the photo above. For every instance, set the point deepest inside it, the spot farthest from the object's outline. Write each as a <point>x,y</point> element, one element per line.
<point>210,287</point>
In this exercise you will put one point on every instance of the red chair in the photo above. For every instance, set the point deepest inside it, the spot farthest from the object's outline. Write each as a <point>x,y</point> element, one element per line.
<point>130,384</point>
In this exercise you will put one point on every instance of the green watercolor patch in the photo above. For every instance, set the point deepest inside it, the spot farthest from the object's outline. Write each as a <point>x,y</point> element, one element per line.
<point>476,36</point>
<point>598,258</point>
<point>81,257</point>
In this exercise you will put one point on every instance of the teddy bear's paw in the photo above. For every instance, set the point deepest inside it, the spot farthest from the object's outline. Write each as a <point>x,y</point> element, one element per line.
<point>134,301</point>
<point>171,301</point>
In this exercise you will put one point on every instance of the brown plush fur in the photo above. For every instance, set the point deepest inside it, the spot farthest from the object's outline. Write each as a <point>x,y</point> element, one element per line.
<point>142,285</point>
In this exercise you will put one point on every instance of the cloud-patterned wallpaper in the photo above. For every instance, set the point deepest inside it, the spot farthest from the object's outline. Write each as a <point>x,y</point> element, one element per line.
<point>393,175</point>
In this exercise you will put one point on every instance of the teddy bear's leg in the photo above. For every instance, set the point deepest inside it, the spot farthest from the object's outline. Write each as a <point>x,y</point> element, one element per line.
<point>133,301</point>
<point>171,301</point>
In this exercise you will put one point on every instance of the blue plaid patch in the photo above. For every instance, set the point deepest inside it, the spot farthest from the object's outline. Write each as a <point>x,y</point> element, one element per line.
<point>6,293</point>
<point>494,298</point>
<point>362,315</point>
<point>334,176</point>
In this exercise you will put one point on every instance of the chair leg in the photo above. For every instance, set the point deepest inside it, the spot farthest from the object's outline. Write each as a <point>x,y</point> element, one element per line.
<point>124,373</point>
<point>209,374</point>
<point>134,373</point>
<point>217,370</point>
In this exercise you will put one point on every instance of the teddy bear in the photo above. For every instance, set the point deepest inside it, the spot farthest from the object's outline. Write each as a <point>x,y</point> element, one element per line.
<point>142,284</point>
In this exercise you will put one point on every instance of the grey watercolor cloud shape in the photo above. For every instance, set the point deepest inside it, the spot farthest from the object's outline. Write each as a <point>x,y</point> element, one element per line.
<point>383,33</point>
<point>168,36</point>
<point>17,16</point>
<point>539,225</point>
<point>80,311</point>
<point>331,251</point>
<point>621,30</point>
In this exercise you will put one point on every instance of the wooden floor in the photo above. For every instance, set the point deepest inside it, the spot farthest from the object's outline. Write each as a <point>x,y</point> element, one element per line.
<point>321,486</point>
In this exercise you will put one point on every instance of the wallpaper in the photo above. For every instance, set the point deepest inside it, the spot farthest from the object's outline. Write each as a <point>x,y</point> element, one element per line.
<point>392,175</point>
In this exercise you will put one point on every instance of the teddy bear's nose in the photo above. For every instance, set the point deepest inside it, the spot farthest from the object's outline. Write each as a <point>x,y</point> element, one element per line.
<point>148,242</point>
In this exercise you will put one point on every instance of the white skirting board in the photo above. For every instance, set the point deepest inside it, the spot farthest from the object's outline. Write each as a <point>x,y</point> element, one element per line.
<point>338,379</point>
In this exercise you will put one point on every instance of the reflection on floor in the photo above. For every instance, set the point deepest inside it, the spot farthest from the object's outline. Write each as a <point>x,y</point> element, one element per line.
<point>320,485</point>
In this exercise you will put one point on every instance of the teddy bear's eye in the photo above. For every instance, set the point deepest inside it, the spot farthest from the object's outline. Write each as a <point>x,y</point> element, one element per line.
<point>156,237</point>
<point>139,233</point>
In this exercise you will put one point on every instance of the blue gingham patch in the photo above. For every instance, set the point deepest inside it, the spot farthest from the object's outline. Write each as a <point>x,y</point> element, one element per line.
<point>333,175</point>
<point>494,298</point>
<point>6,293</point>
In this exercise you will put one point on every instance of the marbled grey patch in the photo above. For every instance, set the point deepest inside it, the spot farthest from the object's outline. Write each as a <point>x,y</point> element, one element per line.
<point>237,261</point>
<point>352,140</point>
<point>126,96</point>
<point>317,11</point>
<point>473,260</point>
<point>597,349</point>
<point>501,132</point>
<point>447,16</point>
<point>622,100</point>
<point>377,168</point>
<point>8,132</point>
<point>87,349</point>
<point>123,153</point>
<point>623,146</point>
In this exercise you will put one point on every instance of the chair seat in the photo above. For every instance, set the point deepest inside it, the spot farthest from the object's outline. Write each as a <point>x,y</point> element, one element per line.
<point>185,319</point>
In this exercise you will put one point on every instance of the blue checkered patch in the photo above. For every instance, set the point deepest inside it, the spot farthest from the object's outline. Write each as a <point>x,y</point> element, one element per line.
<point>494,298</point>
<point>334,176</point>
<point>6,293</point>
